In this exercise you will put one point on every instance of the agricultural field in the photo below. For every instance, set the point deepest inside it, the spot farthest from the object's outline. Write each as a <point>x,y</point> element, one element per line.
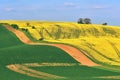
<point>19,61</point>
<point>100,42</point>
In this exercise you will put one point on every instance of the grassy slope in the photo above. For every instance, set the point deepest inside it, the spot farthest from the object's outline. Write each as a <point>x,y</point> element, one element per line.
<point>7,40</point>
<point>22,53</point>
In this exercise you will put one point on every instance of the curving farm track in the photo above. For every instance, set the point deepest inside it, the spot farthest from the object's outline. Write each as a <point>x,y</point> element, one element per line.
<point>73,52</point>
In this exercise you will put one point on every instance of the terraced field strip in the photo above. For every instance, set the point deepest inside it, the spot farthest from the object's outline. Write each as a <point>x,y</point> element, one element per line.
<point>73,52</point>
<point>25,69</point>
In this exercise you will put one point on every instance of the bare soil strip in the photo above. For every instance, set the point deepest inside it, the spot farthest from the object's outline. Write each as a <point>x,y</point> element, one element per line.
<point>76,54</point>
<point>19,34</point>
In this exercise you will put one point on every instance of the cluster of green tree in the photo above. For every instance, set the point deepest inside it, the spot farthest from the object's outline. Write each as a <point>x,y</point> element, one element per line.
<point>84,21</point>
<point>15,26</point>
<point>104,23</point>
<point>87,21</point>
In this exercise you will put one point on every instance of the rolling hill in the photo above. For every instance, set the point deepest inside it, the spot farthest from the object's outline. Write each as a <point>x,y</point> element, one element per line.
<point>21,61</point>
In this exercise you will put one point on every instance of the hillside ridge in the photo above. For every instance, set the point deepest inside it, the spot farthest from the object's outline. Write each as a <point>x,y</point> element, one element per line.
<point>65,30</point>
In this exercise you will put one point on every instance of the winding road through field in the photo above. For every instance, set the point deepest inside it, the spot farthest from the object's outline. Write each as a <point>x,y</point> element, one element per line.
<point>73,52</point>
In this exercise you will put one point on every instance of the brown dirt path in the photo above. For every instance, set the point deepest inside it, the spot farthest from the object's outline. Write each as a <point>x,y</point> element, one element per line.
<point>73,52</point>
<point>20,35</point>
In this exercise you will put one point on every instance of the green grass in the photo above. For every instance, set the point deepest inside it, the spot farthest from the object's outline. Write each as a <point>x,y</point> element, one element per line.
<point>30,54</point>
